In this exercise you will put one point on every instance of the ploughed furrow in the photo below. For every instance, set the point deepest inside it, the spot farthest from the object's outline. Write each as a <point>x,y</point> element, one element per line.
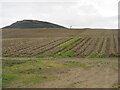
<point>100,45</point>
<point>80,49</point>
<point>75,44</point>
<point>48,47</point>
<point>31,51</point>
<point>116,42</point>
<point>80,45</point>
<point>103,48</point>
<point>112,46</point>
<point>91,47</point>
<point>47,44</point>
<point>22,48</point>
<point>107,48</point>
<point>15,45</point>
<point>17,52</point>
<point>58,49</point>
<point>33,47</point>
<point>84,48</point>
<point>95,50</point>
<point>66,52</point>
<point>118,45</point>
<point>13,51</point>
<point>11,43</point>
<point>27,46</point>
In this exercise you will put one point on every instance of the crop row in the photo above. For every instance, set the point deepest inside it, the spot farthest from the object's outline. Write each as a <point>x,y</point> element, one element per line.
<point>72,47</point>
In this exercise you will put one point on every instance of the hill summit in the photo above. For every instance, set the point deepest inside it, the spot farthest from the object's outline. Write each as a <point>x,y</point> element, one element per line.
<point>33,24</point>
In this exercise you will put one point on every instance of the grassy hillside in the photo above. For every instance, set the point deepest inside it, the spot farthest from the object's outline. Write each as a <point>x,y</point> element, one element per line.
<point>33,24</point>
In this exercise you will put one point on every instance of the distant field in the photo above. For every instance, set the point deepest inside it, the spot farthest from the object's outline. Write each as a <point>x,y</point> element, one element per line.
<point>60,43</point>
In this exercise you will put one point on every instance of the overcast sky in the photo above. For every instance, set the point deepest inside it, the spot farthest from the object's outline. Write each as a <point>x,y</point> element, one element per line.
<point>75,13</point>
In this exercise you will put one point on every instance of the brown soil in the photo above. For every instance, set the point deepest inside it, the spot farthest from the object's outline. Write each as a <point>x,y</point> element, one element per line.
<point>103,76</point>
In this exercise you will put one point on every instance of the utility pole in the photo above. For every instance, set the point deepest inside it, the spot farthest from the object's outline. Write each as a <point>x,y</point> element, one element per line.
<point>70,26</point>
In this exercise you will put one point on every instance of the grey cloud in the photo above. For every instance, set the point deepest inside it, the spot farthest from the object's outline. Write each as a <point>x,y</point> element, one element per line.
<point>63,13</point>
<point>88,9</point>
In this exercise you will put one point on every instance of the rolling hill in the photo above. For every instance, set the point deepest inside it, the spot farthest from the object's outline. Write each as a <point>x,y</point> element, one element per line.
<point>33,24</point>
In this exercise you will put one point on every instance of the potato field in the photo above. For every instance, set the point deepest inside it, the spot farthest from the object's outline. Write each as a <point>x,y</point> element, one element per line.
<point>61,43</point>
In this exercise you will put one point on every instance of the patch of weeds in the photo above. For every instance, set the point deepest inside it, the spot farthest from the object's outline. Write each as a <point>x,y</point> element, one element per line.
<point>41,59</point>
<point>84,65</point>
<point>116,85</point>
<point>69,53</point>
<point>65,53</point>
<point>33,66</point>
<point>70,42</point>
<point>117,56</point>
<point>25,80</point>
<point>41,55</point>
<point>99,55</point>
<point>28,73</point>
<point>11,62</point>
<point>95,55</point>
<point>71,62</point>
<point>99,63</point>
<point>7,78</point>
<point>77,64</point>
